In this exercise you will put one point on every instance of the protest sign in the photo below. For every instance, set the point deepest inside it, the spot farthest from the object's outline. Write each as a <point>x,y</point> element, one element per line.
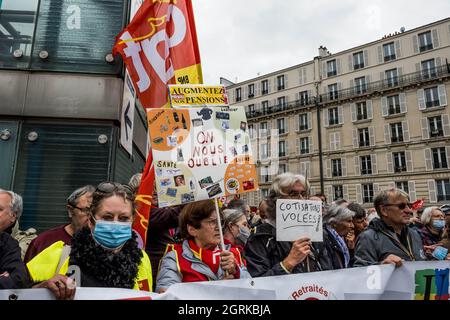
<point>197,95</point>
<point>299,218</point>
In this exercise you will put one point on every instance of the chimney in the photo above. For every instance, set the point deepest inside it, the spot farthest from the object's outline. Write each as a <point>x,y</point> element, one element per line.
<point>323,51</point>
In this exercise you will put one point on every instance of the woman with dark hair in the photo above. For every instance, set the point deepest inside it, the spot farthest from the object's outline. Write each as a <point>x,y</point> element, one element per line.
<point>105,252</point>
<point>198,257</point>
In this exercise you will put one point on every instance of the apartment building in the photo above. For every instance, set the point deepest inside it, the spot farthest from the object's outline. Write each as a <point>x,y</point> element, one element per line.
<point>357,121</point>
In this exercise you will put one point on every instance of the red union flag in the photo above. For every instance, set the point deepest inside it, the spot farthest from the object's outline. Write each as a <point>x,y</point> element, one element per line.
<point>159,47</point>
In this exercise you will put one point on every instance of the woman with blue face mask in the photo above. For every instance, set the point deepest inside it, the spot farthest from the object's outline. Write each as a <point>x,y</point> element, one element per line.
<point>236,230</point>
<point>104,254</point>
<point>432,232</point>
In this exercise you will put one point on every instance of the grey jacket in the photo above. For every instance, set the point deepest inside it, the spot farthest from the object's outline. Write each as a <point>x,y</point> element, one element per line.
<point>169,274</point>
<point>379,240</point>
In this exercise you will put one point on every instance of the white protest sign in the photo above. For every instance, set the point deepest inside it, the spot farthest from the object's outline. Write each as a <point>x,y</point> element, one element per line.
<point>299,218</point>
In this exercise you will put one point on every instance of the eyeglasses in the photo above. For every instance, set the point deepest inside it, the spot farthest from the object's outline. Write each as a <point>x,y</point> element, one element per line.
<point>211,222</point>
<point>110,187</point>
<point>401,206</point>
<point>296,194</point>
<point>83,210</point>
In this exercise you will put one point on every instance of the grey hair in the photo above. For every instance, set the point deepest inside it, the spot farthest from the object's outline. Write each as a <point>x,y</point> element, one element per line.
<point>16,204</point>
<point>425,218</point>
<point>73,198</point>
<point>336,214</point>
<point>231,216</point>
<point>280,187</point>
<point>135,182</point>
<point>383,198</point>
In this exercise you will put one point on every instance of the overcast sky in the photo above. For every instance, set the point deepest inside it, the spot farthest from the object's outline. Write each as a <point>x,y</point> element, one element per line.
<point>240,38</point>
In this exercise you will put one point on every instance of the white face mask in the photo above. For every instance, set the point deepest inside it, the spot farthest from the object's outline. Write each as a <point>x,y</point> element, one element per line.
<point>243,235</point>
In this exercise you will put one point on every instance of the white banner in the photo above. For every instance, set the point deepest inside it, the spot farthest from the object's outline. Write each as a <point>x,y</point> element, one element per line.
<point>414,280</point>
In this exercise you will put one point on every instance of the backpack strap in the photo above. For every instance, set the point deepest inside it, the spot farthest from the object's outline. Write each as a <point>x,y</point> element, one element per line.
<point>64,255</point>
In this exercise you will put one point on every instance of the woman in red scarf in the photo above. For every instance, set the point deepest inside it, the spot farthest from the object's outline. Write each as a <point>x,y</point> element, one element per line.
<point>199,257</point>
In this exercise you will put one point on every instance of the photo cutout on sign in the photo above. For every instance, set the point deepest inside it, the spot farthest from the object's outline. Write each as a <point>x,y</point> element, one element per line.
<point>214,190</point>
<point>179,181</point>
<point>207,181</point>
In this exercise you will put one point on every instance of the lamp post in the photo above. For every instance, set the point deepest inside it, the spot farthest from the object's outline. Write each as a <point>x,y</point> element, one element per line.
<point>319,136</point>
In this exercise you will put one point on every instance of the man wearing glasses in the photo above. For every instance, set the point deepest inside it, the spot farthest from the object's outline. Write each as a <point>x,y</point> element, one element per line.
<point>78,204</point>
<point>388,239</point>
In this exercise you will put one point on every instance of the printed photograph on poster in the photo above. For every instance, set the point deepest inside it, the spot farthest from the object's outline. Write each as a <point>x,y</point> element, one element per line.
<point>213,190</point>
<point>225,125</point>
<point>197,122</point>
<point>243,125</point>
<point>248,185</point>
<point>172,141</point>
<point>205,182</point>
<point>222,116</point>
<point>171,192</point>
<point>165,182</point>
<point>179,181</point>
<point>187,197</point>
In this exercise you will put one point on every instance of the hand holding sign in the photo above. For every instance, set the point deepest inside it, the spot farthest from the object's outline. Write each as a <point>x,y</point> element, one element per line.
<point>299,251</point>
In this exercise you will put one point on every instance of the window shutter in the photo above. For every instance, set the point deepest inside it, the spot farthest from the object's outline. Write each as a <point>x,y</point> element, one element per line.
<point>442,95</point>
<point>338,66</point>
<point>338,140</point>
<point>415,41</point>
<point>368,80</point>
<point>412,191</point>
<point>374,163</point>
<point>344,166</point>
<point>286,81</point>
<point>403,107</point>
<point>244,93</point>
<point>324,70</point>
<point>329,191</point>
<point>358,194</point>
<point>269,126</point>
<point>376,189</point>
<point>328,162</point>
<point>352,84</point>
<point>446,125</point>
<point>350,62</point>
<point>300,77</point>
<point>341,114</point>
<point>257,89</point>
<point>357,167</point>
<point>309,116</point>
<point>398,49</point>
<point>339,87</point>
<point>332,142</point>
<point>310,144</point>
<point>399,73</point>
<point>405,129</point>
<point>305,77</point>
<point>366,58</point>
<point>230,95</point>
<point>382,74</point>
<point>286,147</point>
<point>432,191</point>
<point>372,136</point>
<point>355,138</point>
<point>369,109</point>
<point>438,61</point>
<point>269,85</point>
<point>297,123</point>
<point>353,111</point>
<point>297,145</point>
<point>390,163</point>
<point>308,169</point>
<point>435,35</point>
<point>425,132</point>
<point>447,153</point>
<point>286,124</point>
<point>387,133</point>
<point>380,54</point>
<point>428,160</point>
<point>409,161</point>
<point>384,107</point>
<point>421,97</point>
<point>297,96</point>
<point>325,118</point>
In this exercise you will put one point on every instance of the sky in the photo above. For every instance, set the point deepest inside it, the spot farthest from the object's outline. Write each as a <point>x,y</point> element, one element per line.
<point>239,39</point>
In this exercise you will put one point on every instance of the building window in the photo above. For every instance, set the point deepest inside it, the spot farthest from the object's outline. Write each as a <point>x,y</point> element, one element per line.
<point>282,148</point>
<point>366,165</point>
<point>425,42</point>
<point>265,106</point>
<point>428,69</point>
<point>396,132</point>
<point>364,137</point>
<point>265,87</point>
<point>435,124</point>
<point>331,68</point>
<point>281,101</point>
<point>367,193</point>
<point>432,97</point>
<point>264,193</point>
<point>238,94</point>
<point>443,189</point>
<point>358,60</point>
<point>333,91</point>
<point>280,82</point>
<point>282,168</point>
<point>303,121</point>
<point>399,161</point>
<point>281,126</point>
<point>333,116</point>
<point>360,85</point>
<point>361,110</point>
<point>263,129</point>
<point>402,185</point>
<point>392,77</point>
<point>389,52</point>
<point>336,167</point>
<point>393,104</point>
<point>304,145</point>
<point>439,158</point>
<point>338,192</point>
<point>303,98</point>
<point>251,90</point>
<point>251,108</point>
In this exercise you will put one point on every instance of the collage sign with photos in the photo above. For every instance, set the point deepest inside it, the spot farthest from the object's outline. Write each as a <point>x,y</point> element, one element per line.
<point>200,153</point>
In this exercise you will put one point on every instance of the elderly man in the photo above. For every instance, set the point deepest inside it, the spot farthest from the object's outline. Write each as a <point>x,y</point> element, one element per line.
<point>78,204</point>
<point>268,257</point>
<point>388,239</point>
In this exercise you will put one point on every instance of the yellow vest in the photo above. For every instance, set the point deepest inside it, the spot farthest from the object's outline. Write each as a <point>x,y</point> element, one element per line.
<point>43,266</point>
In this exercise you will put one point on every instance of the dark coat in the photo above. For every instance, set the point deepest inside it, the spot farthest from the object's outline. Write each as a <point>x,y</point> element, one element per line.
<point>264,254</point>
<point>11,262</point>
<point>334,251</point>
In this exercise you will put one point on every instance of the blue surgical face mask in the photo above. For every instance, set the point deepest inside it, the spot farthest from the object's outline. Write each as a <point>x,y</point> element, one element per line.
<point>111,234</point>
<point>243,235</point>
<point>438,224</point>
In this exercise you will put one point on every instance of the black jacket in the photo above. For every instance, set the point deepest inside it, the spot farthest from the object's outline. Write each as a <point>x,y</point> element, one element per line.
<point>380,240</point>
<point>334,251</point>
<point>11,262</point>
<point>264,254</point>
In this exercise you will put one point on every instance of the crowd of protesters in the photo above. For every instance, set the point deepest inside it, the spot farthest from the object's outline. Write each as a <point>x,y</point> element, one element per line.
<point>187,243</point>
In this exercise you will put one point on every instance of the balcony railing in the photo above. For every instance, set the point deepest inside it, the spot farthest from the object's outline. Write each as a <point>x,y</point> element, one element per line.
<point>298,104</point>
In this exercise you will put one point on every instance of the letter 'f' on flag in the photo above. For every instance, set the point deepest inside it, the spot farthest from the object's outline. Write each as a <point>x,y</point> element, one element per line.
<point>159,47</point>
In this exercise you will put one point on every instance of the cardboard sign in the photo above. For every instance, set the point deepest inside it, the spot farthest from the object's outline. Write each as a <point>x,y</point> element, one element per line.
<point>299,218</point>
<point>197,96</point>
<point>200,153</point>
